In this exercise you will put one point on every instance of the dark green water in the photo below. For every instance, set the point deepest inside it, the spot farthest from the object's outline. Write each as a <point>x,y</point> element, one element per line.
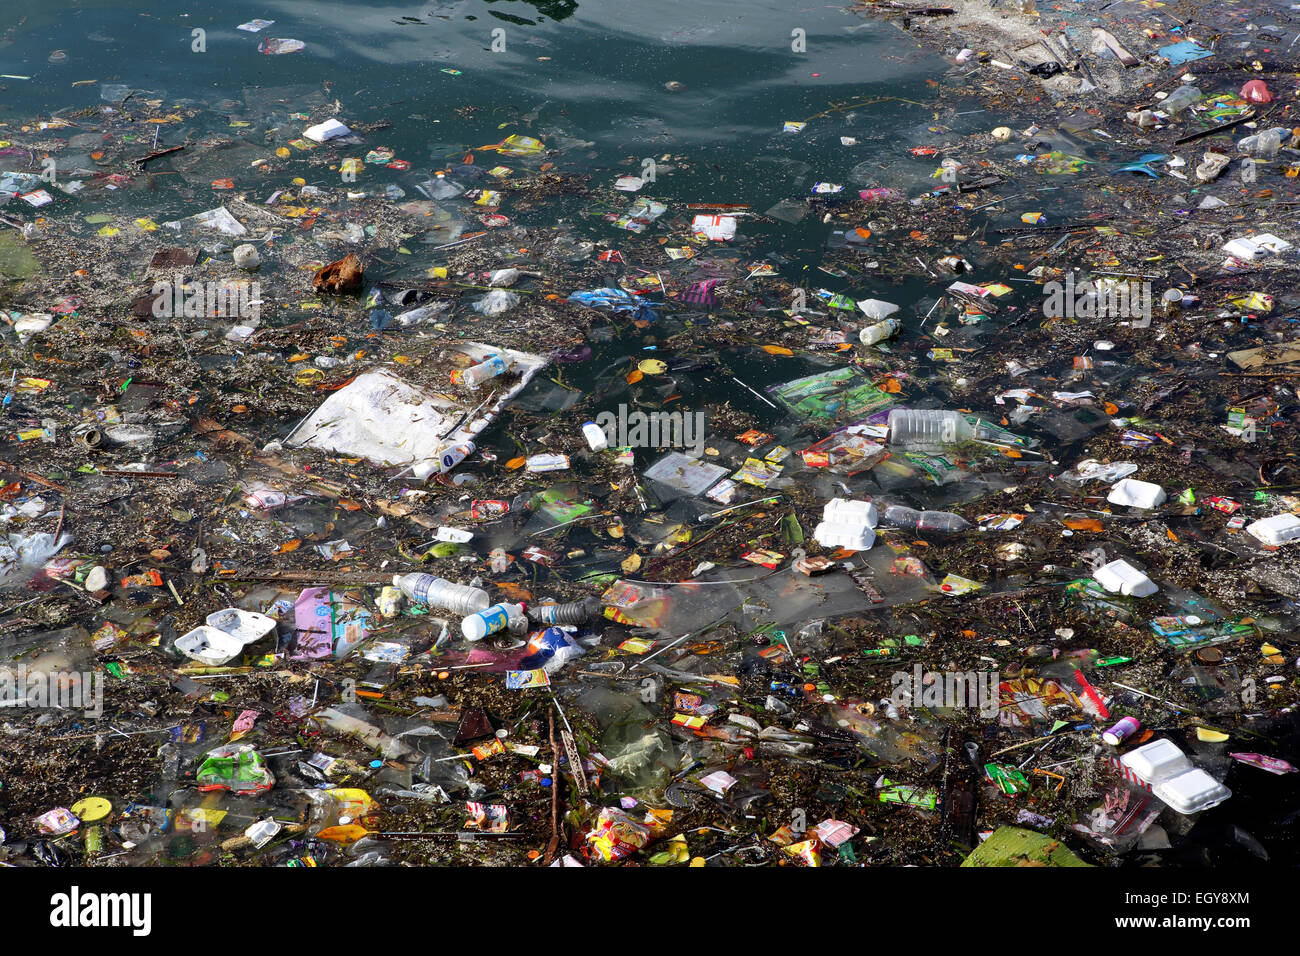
<point>593,72</point>
<point>590,80</point>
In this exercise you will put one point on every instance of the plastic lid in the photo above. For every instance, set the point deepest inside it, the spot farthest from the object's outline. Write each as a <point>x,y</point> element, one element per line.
<point>1156,761</point>
<point>92,808</point>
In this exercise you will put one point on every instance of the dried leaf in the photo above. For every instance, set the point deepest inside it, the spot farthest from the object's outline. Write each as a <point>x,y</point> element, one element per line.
<point>1083,524</point>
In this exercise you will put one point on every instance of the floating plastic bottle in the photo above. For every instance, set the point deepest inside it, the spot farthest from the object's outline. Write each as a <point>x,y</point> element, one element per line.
<point>595,435</point>
<point>943,522</point>
<point>448,458</point>
<point>434,591</point>
<point>476,375</point>
<point>573,613</point>
<point>1266,144</point>
<point>422,313</point>
<point>498,617</point>
<point>879,331</point>
<point>1180,99</point>
<point>929,426</point>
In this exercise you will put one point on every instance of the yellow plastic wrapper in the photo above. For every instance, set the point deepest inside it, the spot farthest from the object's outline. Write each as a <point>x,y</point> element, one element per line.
<point>808,852</point>
<point>616,835</point>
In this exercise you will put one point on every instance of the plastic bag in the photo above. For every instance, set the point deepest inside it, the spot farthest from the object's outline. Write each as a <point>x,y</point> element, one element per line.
<point>496,302</point>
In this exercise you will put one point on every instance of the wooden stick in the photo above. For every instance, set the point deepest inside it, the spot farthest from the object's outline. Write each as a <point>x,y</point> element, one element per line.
<point>553,846</point>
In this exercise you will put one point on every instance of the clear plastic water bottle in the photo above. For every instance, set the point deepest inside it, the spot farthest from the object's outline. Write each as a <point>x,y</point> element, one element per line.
<point>476,375</point>
<point>929,427</point>
<point>435,592</point>
<point>170,756</point>
<point>878,331</point>
<point>1266,144</point>
<point>573,613</point>
<point>910,519</point>
<point>423,313</point>
<point>1180,99</point>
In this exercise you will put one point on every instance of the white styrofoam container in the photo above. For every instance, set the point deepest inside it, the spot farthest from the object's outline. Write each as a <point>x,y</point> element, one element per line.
<point>209,645</point>
<point>329,129</point>
<point>1191,792</point>
<point>1136,494</point>
<point>1173,779</point>
<point>1120,577</point>
<point>1247,248</point>
<point>846,511</point>
<point>1277,530</point>
<point>854,537</point>
<point>1157,761</point>
<point>245,626</point>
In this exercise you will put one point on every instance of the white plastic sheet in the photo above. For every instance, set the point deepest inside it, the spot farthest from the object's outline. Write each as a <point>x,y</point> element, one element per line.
<point>381,417</point>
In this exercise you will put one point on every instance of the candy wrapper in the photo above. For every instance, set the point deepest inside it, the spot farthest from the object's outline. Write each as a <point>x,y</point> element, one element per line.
<point>523,680</point>
<point>807,852</point>
<point>488,817</point>
<point>616,835</point>
<point>1272,764</point>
